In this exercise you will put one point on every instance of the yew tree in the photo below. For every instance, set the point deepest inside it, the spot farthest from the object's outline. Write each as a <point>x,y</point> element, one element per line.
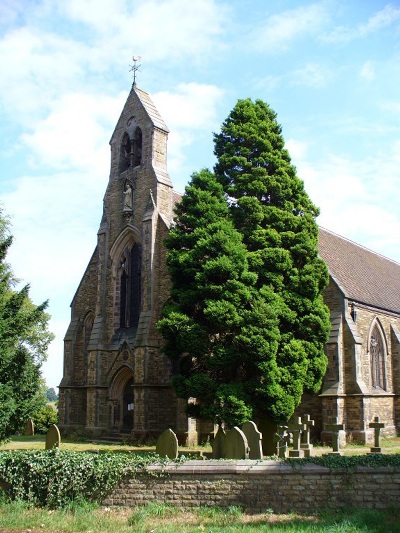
<point>277,220</point>
<point>24,339</point>
<point>218,326</point>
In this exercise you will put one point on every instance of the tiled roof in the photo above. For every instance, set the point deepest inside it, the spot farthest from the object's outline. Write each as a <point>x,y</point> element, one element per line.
<point>151,110</point>
<point>365,276</point>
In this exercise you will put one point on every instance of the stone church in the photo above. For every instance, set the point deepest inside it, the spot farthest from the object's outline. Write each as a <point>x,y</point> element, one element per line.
<point>116,379</point>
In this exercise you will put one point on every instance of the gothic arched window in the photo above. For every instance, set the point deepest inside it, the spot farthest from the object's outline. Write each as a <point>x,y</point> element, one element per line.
<point>130,288</point>
<point>377,358</point>
<point>125,154</point>
<point>137,147</point>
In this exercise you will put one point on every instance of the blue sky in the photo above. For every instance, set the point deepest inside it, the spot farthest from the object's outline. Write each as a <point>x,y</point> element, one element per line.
<point>330,69</point>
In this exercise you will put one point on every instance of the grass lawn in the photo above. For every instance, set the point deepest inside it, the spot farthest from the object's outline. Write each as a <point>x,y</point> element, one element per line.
<point>18,517</point>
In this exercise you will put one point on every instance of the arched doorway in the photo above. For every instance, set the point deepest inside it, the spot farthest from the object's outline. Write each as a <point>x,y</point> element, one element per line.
<point>121,401</point>
<point>127,407</point>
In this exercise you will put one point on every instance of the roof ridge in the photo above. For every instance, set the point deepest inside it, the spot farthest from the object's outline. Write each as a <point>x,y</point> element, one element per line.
<point>359,245</point>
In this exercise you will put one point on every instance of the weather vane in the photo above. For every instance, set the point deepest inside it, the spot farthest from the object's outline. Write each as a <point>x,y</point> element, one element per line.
<point>135,67</point>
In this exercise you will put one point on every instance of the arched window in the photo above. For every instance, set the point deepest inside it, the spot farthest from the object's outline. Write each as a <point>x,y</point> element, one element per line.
<point>125,154</point>
<point>137,147</point>
<point>130,288</point>
<point>377,358</point>
<point>87,331</point>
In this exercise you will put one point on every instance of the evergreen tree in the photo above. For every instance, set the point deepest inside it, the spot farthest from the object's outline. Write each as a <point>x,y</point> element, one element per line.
<point>221,330</point>
<point>276,218</point>
<point>24,340</point>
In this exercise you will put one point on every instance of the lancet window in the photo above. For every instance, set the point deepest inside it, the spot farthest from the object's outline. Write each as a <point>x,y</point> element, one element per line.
<point>130,287</point>
<point>131,151</point>
<point>377,358</point>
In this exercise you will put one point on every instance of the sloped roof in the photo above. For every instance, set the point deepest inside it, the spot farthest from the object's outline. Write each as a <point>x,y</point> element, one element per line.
<point>365,276</point>
<point>151,109</point>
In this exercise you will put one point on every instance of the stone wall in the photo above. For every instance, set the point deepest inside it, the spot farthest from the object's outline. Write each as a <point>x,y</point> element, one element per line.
<point>258,486</point>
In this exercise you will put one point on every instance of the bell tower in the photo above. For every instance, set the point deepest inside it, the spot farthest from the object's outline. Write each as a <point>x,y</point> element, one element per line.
<point>116,378</point>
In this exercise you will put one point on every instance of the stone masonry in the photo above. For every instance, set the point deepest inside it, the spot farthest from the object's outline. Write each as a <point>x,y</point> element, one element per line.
<point>116,379</point>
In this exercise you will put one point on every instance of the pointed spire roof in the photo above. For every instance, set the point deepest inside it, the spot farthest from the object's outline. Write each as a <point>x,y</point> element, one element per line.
<point>150,108</point>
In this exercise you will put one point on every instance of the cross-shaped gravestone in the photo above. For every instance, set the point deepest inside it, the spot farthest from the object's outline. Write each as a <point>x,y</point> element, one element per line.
<point>305,436</point>
<point>281,438</point>
<point>377,426</point>
<point>334,427</point>
<point>295,428</point>
<point>254,438</point>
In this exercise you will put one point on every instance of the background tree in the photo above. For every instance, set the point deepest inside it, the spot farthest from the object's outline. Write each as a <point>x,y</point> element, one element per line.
<point>219,329</point>
<point>24,340</point>
<point>276,218</point>
<point>51,395</point>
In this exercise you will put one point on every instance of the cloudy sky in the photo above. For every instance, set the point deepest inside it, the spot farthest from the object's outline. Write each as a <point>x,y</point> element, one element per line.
<point>330,69</point>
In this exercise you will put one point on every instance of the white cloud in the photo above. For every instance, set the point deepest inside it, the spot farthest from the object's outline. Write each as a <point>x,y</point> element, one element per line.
<point>76,132</point>
<point>188,111</point>
<point>367,71</point>
<point>381,19</point>
<point>279,30</point>
<point>312,75</point>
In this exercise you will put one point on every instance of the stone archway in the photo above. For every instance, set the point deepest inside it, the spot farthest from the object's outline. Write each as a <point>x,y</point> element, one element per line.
<point>121,401</point>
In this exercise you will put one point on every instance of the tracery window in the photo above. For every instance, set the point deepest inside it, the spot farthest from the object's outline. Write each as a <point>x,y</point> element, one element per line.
<point>130,288</point>
<point>137,147</point>
<point>377,358</point>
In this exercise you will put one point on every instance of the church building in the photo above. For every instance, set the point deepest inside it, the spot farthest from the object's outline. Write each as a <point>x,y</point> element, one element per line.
<point>116,379</point>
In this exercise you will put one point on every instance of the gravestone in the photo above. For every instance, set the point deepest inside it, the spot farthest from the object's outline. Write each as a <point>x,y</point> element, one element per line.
<point>295,428</point>
<point>268,430</point>
<point>377,426</point>
<point>254,438</point>
<point>53,437</point>
<point>167,445</point>
<point>236,446</point>
<point>218,444</point>
<point>282,439</point>
<point>305,436</point>
<point>335,427</point>
<point>30,428</point>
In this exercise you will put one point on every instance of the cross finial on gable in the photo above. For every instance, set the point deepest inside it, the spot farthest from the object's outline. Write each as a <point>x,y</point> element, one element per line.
<point>135,67</point>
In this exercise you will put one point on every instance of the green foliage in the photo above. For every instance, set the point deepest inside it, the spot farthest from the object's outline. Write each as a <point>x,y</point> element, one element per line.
<point>246,321</point>
<point>44,418</point>
<point>276,218</point>
<point>349,462</point>
<point>55,478</point>
<point>51,395</point>
<point>24,340</point>
<point>216,325</point>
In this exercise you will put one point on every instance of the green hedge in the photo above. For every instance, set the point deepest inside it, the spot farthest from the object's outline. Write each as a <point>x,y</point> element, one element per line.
<point>55,478</point>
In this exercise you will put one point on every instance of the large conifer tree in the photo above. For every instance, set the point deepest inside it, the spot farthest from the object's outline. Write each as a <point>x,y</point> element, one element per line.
<point>24,340</point>
<point>276,218</point>
<point>221,330</point>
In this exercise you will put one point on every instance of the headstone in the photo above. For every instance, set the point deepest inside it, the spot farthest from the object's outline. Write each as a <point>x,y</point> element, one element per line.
<point>53,437</point>
<point>167,445</point>
<point>335,427</point>
<point>295,428</point>
<point>305,436</point>
<point>30,428</point>
<point>282,439</point>
<point>236,446</point>
<point>268,430</point>
<point>218,444</point>
<point>377,426</point>
<point>254,438</point>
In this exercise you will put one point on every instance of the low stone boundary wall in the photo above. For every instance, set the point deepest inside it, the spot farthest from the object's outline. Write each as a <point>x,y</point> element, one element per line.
<point>260,485</point>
